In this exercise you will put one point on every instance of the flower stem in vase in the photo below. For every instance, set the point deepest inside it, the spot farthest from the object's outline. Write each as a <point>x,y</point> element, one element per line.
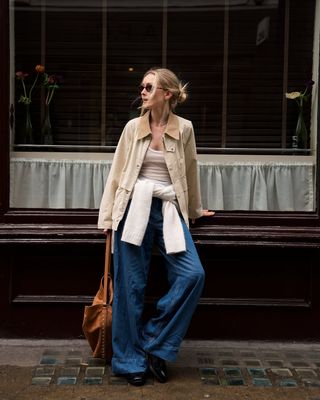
<point>46,130</point>
<point>301,131</point>
<point>28,130</point>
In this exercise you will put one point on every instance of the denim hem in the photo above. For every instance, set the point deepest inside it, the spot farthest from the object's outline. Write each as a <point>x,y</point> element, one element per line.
<point>128,365</point>
<point>166,352</point>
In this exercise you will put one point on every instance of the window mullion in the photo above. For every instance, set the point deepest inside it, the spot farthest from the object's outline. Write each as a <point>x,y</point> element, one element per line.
<point>285,74</point>
<point>225,75</point>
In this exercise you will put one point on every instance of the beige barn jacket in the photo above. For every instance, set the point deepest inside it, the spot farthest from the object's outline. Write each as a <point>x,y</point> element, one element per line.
<point>181,159</point>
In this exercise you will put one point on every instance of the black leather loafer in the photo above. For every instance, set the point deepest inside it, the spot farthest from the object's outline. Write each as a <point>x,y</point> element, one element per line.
<point>136,378</point>
<point>158,367</point>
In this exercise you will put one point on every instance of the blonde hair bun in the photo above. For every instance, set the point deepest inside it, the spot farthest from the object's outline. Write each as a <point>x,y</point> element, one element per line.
<point>183,95</point>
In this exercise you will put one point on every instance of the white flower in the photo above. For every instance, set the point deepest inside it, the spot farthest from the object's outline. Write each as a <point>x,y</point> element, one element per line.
<point>293,95</point>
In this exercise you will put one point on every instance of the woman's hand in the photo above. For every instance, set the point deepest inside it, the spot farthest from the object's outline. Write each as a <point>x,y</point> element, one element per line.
<point>205,213</point>
<point>106,231</point>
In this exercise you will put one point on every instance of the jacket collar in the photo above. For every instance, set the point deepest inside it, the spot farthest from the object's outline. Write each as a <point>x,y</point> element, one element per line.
<point>172,128</point>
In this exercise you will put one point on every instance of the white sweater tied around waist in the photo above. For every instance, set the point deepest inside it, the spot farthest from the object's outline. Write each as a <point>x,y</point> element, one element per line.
<point>139,212</point>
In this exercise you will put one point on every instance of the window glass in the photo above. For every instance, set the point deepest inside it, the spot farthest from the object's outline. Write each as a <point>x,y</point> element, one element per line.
<point>76,66</point>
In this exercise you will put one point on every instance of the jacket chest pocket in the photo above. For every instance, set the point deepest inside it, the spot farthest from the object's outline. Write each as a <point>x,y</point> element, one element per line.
<point>171,148</point>
<point>169,144</point>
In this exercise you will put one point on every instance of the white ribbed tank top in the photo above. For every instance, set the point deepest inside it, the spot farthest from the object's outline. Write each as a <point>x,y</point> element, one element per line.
<point>154,167</point>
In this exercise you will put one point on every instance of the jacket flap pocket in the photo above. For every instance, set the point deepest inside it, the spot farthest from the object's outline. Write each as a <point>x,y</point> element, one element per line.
<point>170,147</point>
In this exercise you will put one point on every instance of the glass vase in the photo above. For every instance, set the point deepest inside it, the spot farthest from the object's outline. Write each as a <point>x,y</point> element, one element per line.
<point>28,129</point>
<point>46,130</point>
<point>301,131</point>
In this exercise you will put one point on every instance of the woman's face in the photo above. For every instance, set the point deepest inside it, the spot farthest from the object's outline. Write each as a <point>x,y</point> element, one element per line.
<point>157,97</point>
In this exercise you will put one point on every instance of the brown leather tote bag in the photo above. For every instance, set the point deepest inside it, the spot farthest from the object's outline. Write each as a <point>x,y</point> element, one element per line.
<point>97,318</point>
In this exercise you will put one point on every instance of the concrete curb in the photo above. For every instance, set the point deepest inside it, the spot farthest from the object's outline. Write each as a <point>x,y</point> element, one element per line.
<point>27,352</point>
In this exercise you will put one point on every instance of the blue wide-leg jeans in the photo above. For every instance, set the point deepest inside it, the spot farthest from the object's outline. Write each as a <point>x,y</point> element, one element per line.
<point>161,335</point>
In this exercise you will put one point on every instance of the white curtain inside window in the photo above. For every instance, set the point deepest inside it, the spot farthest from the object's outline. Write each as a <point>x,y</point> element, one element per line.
<point>40,183</point>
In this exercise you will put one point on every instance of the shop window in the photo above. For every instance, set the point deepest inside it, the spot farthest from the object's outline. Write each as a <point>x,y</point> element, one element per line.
<point>239,57</point>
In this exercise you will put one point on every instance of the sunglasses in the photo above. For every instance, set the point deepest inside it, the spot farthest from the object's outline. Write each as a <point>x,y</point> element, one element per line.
<point>148,87</point>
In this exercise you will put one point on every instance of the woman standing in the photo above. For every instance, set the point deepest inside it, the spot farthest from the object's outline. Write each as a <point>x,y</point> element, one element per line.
<point>151,192</point>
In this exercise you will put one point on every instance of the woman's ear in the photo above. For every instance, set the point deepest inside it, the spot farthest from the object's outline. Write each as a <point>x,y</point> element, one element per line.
<point>167,95</point>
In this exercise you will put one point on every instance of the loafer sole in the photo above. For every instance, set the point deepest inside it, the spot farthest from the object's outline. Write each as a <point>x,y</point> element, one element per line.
<point>136,380</point>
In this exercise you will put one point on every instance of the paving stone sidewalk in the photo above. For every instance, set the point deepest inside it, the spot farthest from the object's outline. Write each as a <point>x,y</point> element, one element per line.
<point>65,370</point>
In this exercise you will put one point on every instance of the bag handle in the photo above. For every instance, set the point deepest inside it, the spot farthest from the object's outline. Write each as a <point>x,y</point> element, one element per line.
<point>107,263</point>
